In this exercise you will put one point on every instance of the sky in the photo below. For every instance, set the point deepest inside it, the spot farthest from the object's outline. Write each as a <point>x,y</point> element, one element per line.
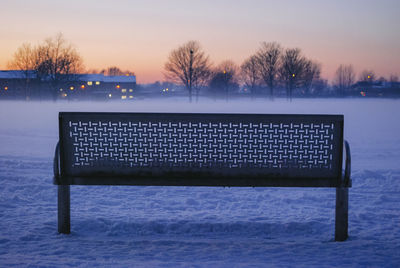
<point>139,35</point>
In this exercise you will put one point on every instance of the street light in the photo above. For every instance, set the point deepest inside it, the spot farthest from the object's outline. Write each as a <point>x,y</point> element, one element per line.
<point>190,75</point>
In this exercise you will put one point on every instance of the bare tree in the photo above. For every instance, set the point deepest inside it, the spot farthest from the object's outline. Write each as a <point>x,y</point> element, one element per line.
<point>312,72</point>
<point>250,73</point>
<point>292,70</point>
<point>344,78</point>
<point>225,78</point>
<point>24,60</point>
<point>115,71</point>
<point>54,60</point>
<point>367,76</point>
<point>268,59</point>
<point>189,66</point>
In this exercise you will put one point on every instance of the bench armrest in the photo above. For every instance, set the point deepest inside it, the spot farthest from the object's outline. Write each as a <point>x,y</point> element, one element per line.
<point>56,165</point>
<point>346,180</point>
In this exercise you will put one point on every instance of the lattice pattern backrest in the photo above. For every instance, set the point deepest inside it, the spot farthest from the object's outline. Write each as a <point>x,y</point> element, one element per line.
<point>137,143</point>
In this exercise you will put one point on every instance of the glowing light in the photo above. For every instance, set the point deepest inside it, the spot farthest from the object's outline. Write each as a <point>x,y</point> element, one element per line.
<point>123,90</point>
<point>130,90</point>
<point>110,95</point>
<point>97,83</point>
<point>123,97</point>
<point>89,83</point>
<point>82,86</point>
<point>71,88</point>
<point>166,89</point>
<point>61,89</point>
<point>117,86</point>
<point>224,72</point>
<point>127,74</point>
<point>363,93</point>
<point>131,97</point>
<point>293,75</point>
<point>64,95</point>
<point>369,76</point>
<point>5,88</point>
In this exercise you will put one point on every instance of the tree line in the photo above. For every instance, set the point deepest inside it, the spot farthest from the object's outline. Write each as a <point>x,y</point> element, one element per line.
<point>272,70</point>
<point>272,67</point>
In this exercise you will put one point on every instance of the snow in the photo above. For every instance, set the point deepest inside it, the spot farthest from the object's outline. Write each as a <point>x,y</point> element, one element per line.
<point>199,226</point>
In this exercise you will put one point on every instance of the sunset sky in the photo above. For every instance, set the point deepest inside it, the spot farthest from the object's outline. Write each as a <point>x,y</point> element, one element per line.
<point>138,35</point>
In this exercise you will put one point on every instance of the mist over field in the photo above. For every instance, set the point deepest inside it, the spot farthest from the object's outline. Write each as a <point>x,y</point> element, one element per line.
<point>199,226</point>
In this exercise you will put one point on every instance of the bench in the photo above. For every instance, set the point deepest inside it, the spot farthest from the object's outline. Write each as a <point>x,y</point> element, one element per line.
<point>182,149</point>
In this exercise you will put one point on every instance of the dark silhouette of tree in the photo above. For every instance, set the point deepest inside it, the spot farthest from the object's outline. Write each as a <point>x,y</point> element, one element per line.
<point>115,71</point>
<point>57,61</point>
<point>312,72</point>
<point>189,66</point>
<point>344,78</point>
<point>367,76</point>
<point>224,79</point>
<point>268,59</point>
<point>54,60</point>
<point>249,71</point>
<point>24,60</point>
<point>292,70</point>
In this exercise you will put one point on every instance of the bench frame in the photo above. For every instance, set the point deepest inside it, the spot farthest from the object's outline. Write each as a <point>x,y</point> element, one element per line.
<point>342,188</point>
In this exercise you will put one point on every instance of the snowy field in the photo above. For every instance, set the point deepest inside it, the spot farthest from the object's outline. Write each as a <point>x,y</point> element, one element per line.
<point>199,227</point>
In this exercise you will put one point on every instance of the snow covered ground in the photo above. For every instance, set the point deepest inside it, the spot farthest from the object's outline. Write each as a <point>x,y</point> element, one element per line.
<point>200,227</point>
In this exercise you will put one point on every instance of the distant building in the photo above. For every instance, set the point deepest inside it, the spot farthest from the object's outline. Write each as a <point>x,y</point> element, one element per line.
<point>27,85</point>
<point>16,83</point>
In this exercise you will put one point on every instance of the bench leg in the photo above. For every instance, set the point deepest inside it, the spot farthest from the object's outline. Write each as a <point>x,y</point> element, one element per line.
<point>342,213</point>
<point>64,225</point>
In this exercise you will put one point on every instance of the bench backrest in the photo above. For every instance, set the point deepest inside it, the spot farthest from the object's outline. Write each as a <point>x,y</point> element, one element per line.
<point>201,149</point>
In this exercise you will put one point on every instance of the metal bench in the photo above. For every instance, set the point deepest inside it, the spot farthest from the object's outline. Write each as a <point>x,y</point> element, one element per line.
<point>180,149</point>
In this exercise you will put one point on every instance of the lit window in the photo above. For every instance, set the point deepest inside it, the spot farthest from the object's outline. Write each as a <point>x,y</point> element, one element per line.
<point>110,95</point>
<point>123,97</point>
<point>123,90</point>
<point>89,83</point>
<point>71,88</point>
<point>130,90</point>
<point>97,83</point>
<point>131,97</point>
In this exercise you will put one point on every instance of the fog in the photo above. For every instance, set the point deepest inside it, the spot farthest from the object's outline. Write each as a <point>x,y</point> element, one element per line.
<point>371,125</point>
